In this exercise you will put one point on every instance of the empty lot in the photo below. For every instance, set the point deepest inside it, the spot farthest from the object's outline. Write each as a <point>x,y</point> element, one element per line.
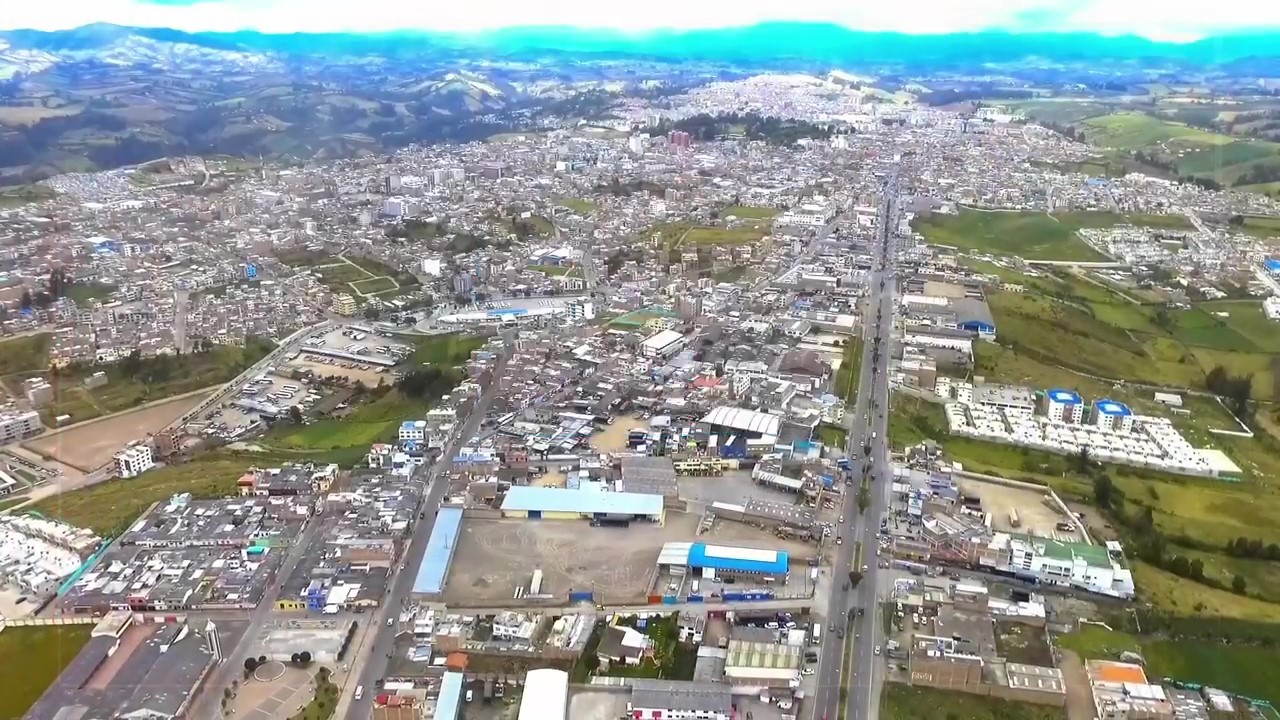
<point>494,557</point>
<point>1037,514</point>
<point>91,445</point>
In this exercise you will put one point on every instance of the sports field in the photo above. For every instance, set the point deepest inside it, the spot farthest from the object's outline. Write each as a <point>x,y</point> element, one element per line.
<point>34,657</point>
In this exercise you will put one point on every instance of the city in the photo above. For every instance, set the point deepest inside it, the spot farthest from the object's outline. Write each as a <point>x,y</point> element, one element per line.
<point>781,396</point>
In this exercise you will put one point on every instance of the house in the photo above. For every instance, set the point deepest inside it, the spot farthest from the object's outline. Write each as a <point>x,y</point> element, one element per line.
<point>622,645</point>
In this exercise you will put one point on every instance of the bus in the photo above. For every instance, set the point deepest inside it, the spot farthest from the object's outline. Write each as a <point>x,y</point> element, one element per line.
<point>816,634</point>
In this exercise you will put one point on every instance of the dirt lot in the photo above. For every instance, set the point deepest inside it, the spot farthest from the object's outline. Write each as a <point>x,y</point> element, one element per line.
<point>496,556</point>
<point>1026,644</point>
<point>614,437</point>
<point>92,444</point>
<point>1037,514</point>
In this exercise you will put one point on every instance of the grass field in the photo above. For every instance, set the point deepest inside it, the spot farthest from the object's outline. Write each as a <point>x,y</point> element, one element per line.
<point>846,380</point>
<point>910,702</point>
<point>832,436</point>
<point>1031,236</point>
<point>749,212</point>
<point>25,354</point>
<point>1242,669</point>
<point>451,349</point>
<point>721,236</point>
<point>1192,151</point>
<point>372,422</point>
<point>553,270</point>
<point>578,205</point>
<point>42,652</point>
<point>1176,596</point>
<point>83,292</point>
<point>371,286</point>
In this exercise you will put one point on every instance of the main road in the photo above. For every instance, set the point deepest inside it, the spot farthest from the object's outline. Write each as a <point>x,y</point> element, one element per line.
<point>867,426</point>
<point>375,654</point>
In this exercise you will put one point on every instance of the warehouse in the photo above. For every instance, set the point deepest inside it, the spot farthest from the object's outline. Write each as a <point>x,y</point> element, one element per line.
<point>546,695</point>
<point>716,561</point>
<point>549,503</point>
<point>662,344</point>
<point>742,432</point>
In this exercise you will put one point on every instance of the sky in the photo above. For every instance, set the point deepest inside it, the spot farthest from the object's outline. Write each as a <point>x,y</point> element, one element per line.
<point>1168,20</point>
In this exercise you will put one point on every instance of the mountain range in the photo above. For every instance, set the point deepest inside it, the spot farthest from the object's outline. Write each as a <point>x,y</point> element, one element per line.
<point>757,44</point>
<point>102,96</point>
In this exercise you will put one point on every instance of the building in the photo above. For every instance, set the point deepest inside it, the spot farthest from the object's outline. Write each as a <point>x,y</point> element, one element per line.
<point>1006,397</point>
<point>16,426</point>
<point>413,431</point>
<point>449,702</point>
<point>546,695</point>
<point>1070,564</point>
<point>344,304</point>
<point>679,700</point>
<point>662,344</point>
<point>718,561</point>
<point>1064,406</point>
<point>1121,692</point>
<point>1113,416</point>
<point>134,460</point>
<point>429,581</point>
<point>548,503</point>
<point>38,391</point>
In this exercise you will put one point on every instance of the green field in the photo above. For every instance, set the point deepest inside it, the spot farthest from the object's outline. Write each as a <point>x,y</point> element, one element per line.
<point>553,270</point>
<point>372,286</point>
<point>913,702</point>
<point>845,384</point>
<point>83,292</point>
<point>325,700</point>
<point>578,205</point>
<point>369,423</point>
<point>1029,235</point>
<point>42,652</point>
<point>129,383</point>
<point>832,436</point>
<point>451,349</point>
<point>1268,227</point>
<point>1243,669</point>
<point>1192,151</point>
<point>749,212</point>
<point>721,236</point>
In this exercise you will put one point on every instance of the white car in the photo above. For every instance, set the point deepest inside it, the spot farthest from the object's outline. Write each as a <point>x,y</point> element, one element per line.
<point>877,649</point>
<point>842,519</point>
<point>839,540</point>
<point>807,671</point>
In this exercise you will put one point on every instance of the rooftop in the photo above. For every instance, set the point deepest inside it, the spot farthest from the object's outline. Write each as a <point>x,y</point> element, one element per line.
<point>440,546</point>
<point>737,559</point>
<point>548,499</point>
<point>745,420</point>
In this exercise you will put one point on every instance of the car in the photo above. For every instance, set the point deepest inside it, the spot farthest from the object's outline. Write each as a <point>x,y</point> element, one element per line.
<point>842,518</point>
<point>877,649</point>
<point>807,671</point>
<point>391,621</point>
<point>839,540</point>
<point>470,695</point>
<point>864,568</point>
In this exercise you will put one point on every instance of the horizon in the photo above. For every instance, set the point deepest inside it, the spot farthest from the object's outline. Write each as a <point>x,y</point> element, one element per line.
<point>1177,21</point>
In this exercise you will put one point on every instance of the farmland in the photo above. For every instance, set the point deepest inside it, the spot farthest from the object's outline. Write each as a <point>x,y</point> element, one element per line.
<point>1029,235</point>
<point>42,652</point>
<point>907,702</point>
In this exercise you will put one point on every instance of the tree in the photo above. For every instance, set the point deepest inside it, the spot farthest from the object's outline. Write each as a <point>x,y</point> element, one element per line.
<point>26,301</point>
<point>1082,460</point>
<point>1197,570</point>
<point>295,414</point>
<point>1238,585</point>
<point>250,664</point>
<point>1103,491</point>
<point>372,312</point>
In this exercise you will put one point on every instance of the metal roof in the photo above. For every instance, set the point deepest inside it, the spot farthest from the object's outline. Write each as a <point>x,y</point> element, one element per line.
<point>449,703</point>
<point>546,695</point>
<point>736,559</point>
<point>439,554</point>
<point>744,420</point>
<point>550,499</point>
<point>1111,407</point>
<point>1066,397</point>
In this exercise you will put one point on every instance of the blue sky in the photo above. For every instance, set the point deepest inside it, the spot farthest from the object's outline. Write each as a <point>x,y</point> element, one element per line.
<point>1176,20</point>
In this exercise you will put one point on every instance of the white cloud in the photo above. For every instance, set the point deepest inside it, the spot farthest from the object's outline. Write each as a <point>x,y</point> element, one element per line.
<point>1159,19</point>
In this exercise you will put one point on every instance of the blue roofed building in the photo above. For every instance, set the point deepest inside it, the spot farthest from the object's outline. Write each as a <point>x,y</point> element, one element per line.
<point>1272,265</point>
<point>1113,415</point>
<point>724,560</point>
<point>449,702</point>
<point>1064,406</point>
<point>434,569</point>
<point>548,503</point>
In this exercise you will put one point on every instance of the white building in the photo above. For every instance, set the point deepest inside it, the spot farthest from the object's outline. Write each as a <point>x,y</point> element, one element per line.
<point>1064,406</point>
<point>1070,564</point>
<point>19,425</point>
<point>679,700</point>
<point>134,460</point>
<point>546,695</point>
<point>1113,416</point>
<point>662,344</point>
<point>413,431</point>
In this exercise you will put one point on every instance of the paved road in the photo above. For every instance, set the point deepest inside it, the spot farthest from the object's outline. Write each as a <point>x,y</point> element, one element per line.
<point>378,648</point>
<point>867,426</point>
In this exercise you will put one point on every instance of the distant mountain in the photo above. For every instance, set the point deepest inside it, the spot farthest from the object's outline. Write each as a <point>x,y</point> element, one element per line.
<point>763,43</point>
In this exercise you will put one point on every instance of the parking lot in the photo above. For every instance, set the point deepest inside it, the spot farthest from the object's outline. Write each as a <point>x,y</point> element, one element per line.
<point>232,419</point>
<point>734,486</point>
<point>359,341</point>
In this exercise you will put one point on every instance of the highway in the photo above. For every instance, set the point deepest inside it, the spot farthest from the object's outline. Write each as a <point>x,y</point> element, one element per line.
<point>867,426</point>
<point>375,653</point>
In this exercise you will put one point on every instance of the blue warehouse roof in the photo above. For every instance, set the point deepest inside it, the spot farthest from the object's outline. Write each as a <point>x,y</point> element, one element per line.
<point>1111,407</point>
<point>548,499</point>
<point>440,547</point>
<point>735,559</point>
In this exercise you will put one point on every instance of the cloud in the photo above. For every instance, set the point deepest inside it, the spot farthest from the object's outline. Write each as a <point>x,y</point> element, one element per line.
<point>1157,19</point>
